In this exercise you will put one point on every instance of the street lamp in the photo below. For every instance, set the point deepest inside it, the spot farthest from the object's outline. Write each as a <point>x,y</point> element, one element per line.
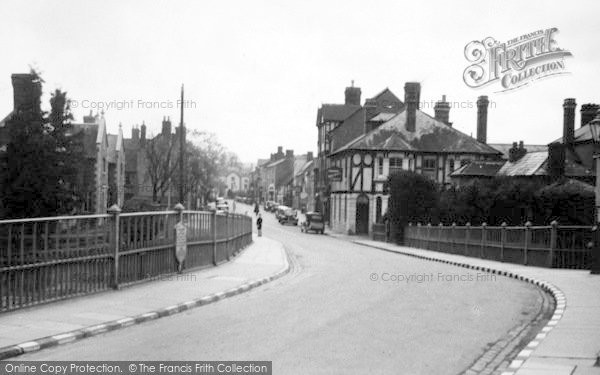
<point>594,126</point>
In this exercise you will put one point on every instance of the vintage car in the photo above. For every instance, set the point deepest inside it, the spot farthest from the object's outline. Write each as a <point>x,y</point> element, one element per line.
<point>313,222</point>
<point>288,216</point>
<point>280,211</point>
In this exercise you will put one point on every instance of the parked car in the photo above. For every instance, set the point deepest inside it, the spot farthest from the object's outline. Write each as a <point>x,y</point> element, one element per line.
<point>288,216</point>
<point>280,211</point>
<point>313,222</point>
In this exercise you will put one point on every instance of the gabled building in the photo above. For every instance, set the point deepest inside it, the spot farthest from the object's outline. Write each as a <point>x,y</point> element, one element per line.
<point>408,140</point>
<point>304,184</point>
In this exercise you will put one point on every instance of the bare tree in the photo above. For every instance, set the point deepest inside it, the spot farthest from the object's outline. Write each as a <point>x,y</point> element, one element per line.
<point>160,153</point>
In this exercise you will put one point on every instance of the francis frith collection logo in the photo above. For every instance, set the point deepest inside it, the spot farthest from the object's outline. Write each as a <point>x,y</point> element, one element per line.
<point>515,63</point>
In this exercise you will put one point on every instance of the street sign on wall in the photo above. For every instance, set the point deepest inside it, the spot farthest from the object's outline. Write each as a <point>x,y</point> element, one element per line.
<point>334,174</point>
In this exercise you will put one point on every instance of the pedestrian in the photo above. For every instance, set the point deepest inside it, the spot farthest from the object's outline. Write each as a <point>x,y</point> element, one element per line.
<point>256,209</point>
<point>259,225</point>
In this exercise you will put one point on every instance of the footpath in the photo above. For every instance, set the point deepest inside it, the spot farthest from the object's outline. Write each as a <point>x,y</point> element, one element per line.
<point>570,343</point>
<point>57,323</point>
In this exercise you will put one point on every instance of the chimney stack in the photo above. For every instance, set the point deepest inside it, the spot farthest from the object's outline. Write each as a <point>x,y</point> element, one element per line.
<point>27,93</point>
<point>556,159</point>
<point>412,96</point>
<point>482,108</point>
<point>166,126</point>
<point>569,121</point>
<point>309,156</point>
<point>90,119</point>
<point>442,111</point>
<point>135,133</point>
<point>352,95</point>
<point>289,153</point>
<point>143,134</point>
<point>588,112</point>
<point>516,152</point>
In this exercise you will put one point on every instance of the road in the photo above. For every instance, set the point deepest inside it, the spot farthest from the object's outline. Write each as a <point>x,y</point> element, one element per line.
<point>329,316</point>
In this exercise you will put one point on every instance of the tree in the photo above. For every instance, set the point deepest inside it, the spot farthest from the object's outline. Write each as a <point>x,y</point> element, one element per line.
<point>161,155</point>
<point>39,170</point>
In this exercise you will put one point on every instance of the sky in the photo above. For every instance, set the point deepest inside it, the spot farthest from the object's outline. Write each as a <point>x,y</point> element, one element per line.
<point>255,72</point>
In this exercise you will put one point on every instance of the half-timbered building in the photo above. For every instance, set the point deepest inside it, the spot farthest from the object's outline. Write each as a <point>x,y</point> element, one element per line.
<point>407,140</point>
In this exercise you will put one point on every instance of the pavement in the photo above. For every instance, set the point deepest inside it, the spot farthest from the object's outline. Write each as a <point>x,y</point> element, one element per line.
<point>57,323</point>
<point>570,343</point>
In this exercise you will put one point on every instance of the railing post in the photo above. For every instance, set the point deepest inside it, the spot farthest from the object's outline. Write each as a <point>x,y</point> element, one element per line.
<point>527,241</point>
<point>180,248</point>
<point>502,241</point>
<point>553,240</point>
<point>428,235</point>
<point>440,229</point>
<point>453,238</point>
<point>114,228</point>
<point>214,236</point>
<point>227,235</point>
<point>483,233</point>
<point>419,243</point>
<point>467,238</point>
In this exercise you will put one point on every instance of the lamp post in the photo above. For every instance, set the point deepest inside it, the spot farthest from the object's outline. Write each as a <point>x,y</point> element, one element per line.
<point>594,126</point>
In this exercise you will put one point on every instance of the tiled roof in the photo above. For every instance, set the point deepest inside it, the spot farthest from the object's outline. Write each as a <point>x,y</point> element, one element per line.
<point>383,116</point>
<point>505,147</point>
<point>430,135</point>
<point>305,167</point>
<point>529,165</point>
<point>583,134</point>
<point>478,168</point>
<point>336,112</point>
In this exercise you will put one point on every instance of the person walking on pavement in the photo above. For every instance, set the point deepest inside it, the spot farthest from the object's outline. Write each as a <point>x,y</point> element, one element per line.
<point>259,225</point>
<point>256,209</point>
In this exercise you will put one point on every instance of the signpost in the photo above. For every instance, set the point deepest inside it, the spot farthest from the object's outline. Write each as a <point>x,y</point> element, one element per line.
<point>180,244</point>
<point>334,174</point>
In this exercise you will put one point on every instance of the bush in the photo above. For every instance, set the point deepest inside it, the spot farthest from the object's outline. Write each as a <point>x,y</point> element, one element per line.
<point>413,198</point>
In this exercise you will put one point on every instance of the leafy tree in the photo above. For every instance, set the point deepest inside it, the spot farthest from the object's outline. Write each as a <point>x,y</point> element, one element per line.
<point>39,175</point>
<point>162,164</point>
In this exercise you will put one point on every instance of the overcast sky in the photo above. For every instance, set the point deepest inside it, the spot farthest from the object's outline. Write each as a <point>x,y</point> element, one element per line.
<point>256,71</point>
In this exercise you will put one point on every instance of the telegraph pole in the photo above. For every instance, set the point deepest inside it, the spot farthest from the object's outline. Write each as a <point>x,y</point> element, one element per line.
<point>181,154</point>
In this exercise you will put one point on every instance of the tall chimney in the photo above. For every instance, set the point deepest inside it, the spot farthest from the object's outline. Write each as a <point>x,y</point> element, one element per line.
<point>569,121</point>
<point>309,156</point>
<point>352,95</point>
<point>588,112</point>
<point>412,96</point>
<point>27,93</point>
<point>143,134</point>
<point>482,107</point>
<point>289,153</point>
<point>442,111</point>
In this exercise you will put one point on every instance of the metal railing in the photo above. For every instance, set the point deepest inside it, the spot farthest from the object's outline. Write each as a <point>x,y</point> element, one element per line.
<point>53,258</point>
<point>553,246</point>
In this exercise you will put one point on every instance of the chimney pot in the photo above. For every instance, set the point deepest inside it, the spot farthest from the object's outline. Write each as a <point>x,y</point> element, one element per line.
<point>442,111</point>
<point>588,112</point>
<point>309,156</point>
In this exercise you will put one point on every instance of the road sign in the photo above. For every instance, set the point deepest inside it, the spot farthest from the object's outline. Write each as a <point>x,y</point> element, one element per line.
<point>334,174</point>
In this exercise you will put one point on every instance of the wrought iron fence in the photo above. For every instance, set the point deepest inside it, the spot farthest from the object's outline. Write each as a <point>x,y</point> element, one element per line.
<point>552,246</point>
<point>48,259</point>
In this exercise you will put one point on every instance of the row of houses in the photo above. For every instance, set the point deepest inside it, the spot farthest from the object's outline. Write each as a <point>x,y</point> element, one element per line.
<point>360,145</point>
<point>115,168</point>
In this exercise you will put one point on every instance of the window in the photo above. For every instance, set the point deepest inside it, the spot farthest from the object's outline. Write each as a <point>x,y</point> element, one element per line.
<point>380,166</point>
<point>451,165</point>
<point>378,210</point>
<point>429,163</point>
<point>395,165</point>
